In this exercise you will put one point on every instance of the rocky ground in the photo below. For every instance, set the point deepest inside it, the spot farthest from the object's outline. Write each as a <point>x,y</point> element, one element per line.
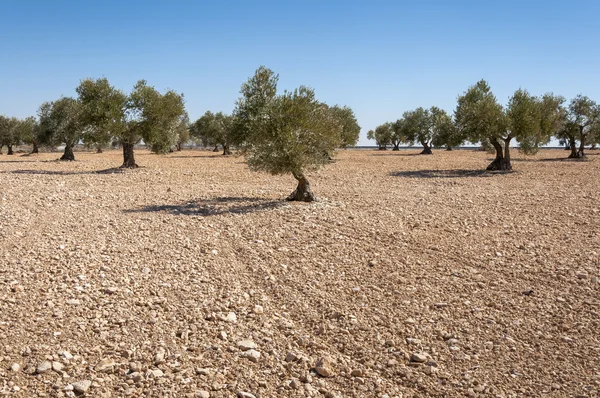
<point>413,276</point>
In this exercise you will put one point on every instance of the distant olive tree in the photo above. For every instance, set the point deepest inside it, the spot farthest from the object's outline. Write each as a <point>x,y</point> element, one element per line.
<point>399,134</point>
<point>215,129</point>
<point>183,131</point>
<point>382,135</point>
<point>287,133</point>
<point>444,129</point>
<point>419,128</point>
<point>8,133</point>
<point>61,123</point>
<point>583,114</point>
<point>350,128</point>
<point>144,114</point>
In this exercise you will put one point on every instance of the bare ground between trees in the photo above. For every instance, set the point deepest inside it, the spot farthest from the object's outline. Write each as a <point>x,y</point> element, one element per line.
<point>493,278</point>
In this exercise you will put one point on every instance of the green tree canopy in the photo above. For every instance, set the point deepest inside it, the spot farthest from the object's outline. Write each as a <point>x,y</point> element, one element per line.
<point>61,122</point>
<point>444,131</point>
<point>215,129</point>
<point>145,114</point>
<point>350,128</point>
<point>480,117</point>
<point>583,113</point>
<point>382,135</point>
<point>288,133</point>
<point>419,128</point>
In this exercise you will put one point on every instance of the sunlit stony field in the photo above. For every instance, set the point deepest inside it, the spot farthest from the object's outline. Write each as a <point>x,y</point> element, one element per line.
<point>412,276</point>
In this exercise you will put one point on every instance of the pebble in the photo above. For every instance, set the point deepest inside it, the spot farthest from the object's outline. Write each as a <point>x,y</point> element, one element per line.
<point>258,309</point>
<point>43,367</point>
<point>243,394</point>
<point>159,357</point>
<point>105,365</point>
<point>57,366</point>
<point>373,263</point>
<point>324,367</point>
<point>246,345</point>
<point>231,317</point>
<point>357,373</point>
<point>82,386</point>
<point>202,394</point>
<point>15,367</point>
<point>251,355</point>
<point>418,358</point>
<point>73,302</point>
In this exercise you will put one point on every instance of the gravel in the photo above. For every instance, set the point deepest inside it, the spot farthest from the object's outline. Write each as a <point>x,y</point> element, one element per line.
<point>407,278</point>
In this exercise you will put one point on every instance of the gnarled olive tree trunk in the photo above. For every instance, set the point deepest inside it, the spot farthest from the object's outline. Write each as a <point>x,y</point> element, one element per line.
<point>448,148</point>
<point>68,153</point>
<point>10,150</point>
<point>35,148</point>
<point>302,192</point>
<point>426,148</point>
<point>226,150</point>
<point>396,147</point>
<point>216,148</point>
<point>502,160</point>
<point>128,158</point>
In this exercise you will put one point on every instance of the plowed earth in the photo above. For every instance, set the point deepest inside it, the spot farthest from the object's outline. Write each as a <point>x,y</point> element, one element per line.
<point>413,276</point>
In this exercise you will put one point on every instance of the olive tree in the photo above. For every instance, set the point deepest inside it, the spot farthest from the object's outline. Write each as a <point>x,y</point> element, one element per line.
<point>350,129</point>
<point>444,129</point>
<point>61,123</point>
<point>289,133</point>
<point>183,131</point>
<point>382,135</point>
<point>399,134</point>
<point>145,114</point>
<point>480,117</point>
<point>584,114</point>
<point>214,129</point>
<point>419,128</point>
<point>8,133</point>
<point>26,131</point>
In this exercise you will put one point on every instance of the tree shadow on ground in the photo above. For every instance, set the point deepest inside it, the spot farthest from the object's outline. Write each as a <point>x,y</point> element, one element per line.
<point>113,170</point>
<point>550,159</point>
<point>455,173</point>
<point>22,161</point>
<point>214,206</point>
<point>394,153</point>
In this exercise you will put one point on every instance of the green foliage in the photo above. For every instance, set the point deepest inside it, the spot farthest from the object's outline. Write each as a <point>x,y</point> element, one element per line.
<point>214,129</point>
<point>104,109</point>
<point>251,108</point>
<point>523,115</point>
<point>61,122</point>
<point>537,122</point>
<point>350,129</point>
<point>288,133</point>
<point>418,126</point>
<point>382,135</point>
<point>584,113</point>
<point>399,133</point>
<point>144,114</point>
<point>478,114</point>
<point>183,130</point>
<point>444,131</point>
<point>8,134</point>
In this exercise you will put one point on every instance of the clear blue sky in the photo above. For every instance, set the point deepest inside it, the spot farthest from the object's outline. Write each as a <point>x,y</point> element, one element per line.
<point>379,57</point>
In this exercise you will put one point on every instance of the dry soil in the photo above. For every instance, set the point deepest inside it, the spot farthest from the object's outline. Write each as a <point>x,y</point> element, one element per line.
<point>413,276</point>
